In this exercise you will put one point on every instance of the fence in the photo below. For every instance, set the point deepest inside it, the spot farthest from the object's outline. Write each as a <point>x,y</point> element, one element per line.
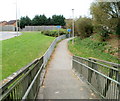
<point>39,28</point>
<point>105,79</point>
<point>50,50</point>
<point>7,28</point>
<point>26,82</point>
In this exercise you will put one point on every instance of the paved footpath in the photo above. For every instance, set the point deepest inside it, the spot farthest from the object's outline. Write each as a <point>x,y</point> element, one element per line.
<point>60,81</point>
<point>8,35</point>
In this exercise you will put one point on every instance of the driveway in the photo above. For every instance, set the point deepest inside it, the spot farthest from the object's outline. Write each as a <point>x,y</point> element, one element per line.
<point>8,35</point>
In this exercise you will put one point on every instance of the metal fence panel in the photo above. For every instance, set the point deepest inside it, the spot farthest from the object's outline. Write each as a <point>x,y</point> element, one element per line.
<point>26,83</point>
<point>51,48</point>
<point>7,28</point>
<point>39,28</point>
<point>102,78</point>
<point>17,89</point>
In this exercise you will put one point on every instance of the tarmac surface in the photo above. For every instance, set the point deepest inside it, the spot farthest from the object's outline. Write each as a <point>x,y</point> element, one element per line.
<point>60,81</point>
<point>8,35</point>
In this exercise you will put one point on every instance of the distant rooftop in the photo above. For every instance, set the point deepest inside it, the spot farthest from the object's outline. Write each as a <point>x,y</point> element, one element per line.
<point>11,22</point>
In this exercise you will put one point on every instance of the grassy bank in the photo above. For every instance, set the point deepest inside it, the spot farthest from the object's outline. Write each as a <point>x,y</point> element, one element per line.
<point>91,48</point>
<point>19,51</point>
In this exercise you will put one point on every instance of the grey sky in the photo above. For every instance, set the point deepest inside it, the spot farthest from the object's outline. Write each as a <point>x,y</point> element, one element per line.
<point>47,7</point>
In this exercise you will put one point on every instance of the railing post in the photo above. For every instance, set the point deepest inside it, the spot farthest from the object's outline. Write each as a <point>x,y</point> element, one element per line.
<point>73,64</point>
<point>89,71</point>
<point>118,79</point>
<point>119,85</point>
<point>99,87</point>
<point>111,73</point>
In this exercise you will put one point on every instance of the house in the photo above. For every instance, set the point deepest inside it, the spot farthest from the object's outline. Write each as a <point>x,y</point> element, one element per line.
<point>3,23</point>
<point>8,26</point>
<point>11,22</point>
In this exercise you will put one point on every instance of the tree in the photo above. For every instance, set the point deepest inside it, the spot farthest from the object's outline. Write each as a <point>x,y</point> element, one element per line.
<point>25,21</point>
<point>58,20</point>
<point>68,23</point>
<point>106,16</point>
<point>39,20</point>
<point>84,27</point>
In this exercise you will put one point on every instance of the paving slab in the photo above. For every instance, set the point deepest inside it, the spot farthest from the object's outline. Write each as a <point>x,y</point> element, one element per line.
<point>60,81</point>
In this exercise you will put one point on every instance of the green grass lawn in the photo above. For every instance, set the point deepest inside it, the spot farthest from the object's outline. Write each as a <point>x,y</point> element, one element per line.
<point>90,48</point>
<point>20,51</point>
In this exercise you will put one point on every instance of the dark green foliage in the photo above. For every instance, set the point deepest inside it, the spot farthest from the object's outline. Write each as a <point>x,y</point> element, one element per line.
<point>106,16</point>
<point>118,28</point>
<point>49,21</point>
<point>54,33</point>
<point>25,21</point>
<point>103,33</point>
<point>58,20</point>
<point>39,20</point>
<point>84,27</point>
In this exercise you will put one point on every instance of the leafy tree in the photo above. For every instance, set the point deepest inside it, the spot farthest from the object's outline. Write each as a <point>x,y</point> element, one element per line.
<point>43,20</point>
<point>36,21</point>
<point>106,16</point>
<point>58,20</point>
<point>68,23</point>
<point>49,21</point>
<point>39,20</point>
<point>25,21</point>
<point>84,27</point>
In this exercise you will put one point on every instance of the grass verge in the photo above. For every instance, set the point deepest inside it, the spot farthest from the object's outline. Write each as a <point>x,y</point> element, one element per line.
<point>19,51</point>
<point>91,48</point>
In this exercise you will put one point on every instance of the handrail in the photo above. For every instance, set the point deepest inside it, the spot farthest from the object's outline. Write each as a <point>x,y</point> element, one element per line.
<point>28,76</point>
<point>104,79</point>
<point>107,62</point>
<point>28,90</point>
<point>89,59</point>
<point>98,72</point>
<point>20,72</point>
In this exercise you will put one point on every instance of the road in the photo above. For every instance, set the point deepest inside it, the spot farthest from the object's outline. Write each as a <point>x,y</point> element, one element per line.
<point>8,35</point>
<point>60,81</point>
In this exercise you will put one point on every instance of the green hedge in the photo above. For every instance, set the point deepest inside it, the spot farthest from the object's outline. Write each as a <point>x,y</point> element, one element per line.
<point>54,33</point>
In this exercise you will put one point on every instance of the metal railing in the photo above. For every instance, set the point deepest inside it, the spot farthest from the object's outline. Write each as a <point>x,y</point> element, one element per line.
<point>25,83</point>
<point>16,88</point>
<point>103,78</point>
<point>51,48</point>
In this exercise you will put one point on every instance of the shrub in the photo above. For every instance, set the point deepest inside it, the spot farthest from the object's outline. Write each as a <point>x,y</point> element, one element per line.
<point>84,27</point>
<point>54,33</point>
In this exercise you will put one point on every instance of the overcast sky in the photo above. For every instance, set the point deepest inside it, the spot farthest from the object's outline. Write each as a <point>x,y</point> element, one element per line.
<point>47,7</point>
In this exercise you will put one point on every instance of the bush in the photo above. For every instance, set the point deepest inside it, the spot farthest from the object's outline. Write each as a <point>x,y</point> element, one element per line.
<point>84,27</point>
<point>103,31</point>
<point>54,33</point>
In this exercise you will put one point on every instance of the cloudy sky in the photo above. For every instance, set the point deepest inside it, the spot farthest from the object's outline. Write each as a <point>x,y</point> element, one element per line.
<point>47,7</point>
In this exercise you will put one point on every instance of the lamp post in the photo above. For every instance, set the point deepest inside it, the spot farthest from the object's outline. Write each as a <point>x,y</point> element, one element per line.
<point>73,26</point>
<point>16,19</point>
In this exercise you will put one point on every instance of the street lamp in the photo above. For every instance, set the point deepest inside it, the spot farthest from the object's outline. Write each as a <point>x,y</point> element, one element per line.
<point>73,26</point>
<point>16,19</point>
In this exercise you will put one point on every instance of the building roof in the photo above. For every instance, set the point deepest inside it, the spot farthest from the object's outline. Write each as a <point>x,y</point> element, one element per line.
<point>11,22</point>
<point>2,22</point>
